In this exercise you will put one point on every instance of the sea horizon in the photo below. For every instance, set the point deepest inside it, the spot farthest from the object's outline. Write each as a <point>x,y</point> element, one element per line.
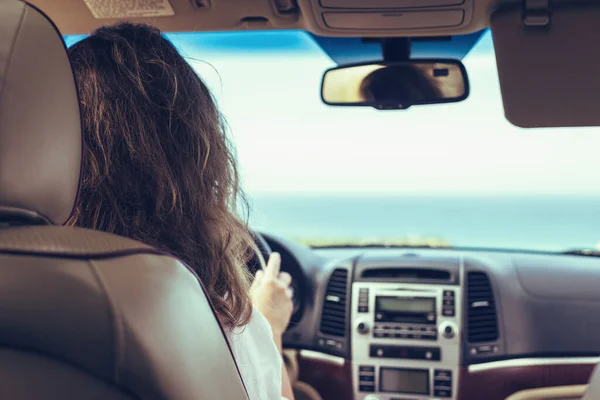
<point>531,222</point>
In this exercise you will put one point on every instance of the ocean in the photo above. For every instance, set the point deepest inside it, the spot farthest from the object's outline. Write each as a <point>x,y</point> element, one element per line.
<point>547,223</point>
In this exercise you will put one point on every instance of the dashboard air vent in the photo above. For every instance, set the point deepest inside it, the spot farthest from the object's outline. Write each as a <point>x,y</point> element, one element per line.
<point>333,319</point>
<point>482,321</point>
<point>407,274</point>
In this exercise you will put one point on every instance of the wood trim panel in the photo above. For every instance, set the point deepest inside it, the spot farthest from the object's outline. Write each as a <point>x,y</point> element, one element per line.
<point>333,380</point>
<point>550,393</point>
<point>498,384</point>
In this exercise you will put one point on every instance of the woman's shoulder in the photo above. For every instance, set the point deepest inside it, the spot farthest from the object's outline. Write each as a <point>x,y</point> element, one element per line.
<point>257,357</point>
<point>257,325</point>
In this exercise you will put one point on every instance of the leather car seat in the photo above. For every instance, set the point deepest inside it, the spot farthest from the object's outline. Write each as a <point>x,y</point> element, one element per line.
<point>83,314</point>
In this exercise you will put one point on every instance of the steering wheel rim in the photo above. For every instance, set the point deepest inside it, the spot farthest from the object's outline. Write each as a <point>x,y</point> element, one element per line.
<point>264,251</point>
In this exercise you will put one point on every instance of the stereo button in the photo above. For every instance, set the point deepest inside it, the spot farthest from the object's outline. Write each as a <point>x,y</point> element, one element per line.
<point>442,385</point>
<point>448,312</point>
<point>406,352</point>
<point>363,328</point>
<point>443,393</point>
<point>448,294</point>
<point>366,388</point>
<point>363,300</point>
<point>448,330</point>
<point>443,374</point>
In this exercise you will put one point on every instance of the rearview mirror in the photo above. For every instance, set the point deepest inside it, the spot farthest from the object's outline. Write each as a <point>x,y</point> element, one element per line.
<point>397,85</point>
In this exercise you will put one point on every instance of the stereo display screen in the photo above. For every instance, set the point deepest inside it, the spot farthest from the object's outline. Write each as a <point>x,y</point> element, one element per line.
<point>397,380</point>
<point>388,304</point>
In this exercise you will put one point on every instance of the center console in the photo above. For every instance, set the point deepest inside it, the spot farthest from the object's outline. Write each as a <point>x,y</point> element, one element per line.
<point>405,339</point>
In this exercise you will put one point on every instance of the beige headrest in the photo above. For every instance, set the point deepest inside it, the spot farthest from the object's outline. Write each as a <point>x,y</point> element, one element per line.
<point>40,123</point>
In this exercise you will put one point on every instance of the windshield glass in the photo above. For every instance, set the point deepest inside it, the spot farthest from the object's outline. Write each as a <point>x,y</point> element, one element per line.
<point>453,175</point>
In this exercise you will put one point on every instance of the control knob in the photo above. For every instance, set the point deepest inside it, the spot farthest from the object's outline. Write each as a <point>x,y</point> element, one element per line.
<point>448,329</point>
<point>363,328</point>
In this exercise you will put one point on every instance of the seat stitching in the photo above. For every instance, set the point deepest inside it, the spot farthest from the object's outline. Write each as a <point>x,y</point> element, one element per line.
<point>12,49</point>
<point>117,321</point>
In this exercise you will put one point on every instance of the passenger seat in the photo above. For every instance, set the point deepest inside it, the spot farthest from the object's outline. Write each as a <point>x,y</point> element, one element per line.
<point>83,314</point>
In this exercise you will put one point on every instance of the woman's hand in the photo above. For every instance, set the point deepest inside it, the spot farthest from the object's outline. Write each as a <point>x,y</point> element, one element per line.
<point>272,296</point>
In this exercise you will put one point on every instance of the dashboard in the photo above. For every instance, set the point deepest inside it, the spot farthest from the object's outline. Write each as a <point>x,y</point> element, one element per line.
<point>412,324</point>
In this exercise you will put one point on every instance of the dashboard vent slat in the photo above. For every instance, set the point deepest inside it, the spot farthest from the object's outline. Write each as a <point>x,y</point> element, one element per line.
<point>333,319</point>
<point>482,319</point>
<point>400,274</point>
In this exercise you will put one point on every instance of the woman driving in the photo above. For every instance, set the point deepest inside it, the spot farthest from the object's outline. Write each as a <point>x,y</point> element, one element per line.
<point>158,168</point>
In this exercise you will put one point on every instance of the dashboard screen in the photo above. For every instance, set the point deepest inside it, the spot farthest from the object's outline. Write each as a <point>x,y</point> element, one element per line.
<point>404,304</point>
<point>413,381</point>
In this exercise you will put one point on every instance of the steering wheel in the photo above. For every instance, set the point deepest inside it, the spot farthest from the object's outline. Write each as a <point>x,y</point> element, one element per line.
<point>264,252</point>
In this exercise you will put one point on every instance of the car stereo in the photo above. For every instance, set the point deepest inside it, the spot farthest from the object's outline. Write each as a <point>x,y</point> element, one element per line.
<point>406,343</point>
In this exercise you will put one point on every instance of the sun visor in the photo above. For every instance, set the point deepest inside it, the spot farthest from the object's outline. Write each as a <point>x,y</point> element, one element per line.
<point>549,64</point>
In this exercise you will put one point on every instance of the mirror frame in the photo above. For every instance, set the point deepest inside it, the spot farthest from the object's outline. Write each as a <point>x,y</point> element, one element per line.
<point>452,61</point>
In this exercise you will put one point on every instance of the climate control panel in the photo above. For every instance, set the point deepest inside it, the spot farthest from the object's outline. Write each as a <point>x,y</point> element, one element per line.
<point>440,386</point>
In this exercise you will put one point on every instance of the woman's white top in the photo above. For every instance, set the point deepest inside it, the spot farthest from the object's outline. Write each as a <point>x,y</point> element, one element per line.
<point>258,358</point>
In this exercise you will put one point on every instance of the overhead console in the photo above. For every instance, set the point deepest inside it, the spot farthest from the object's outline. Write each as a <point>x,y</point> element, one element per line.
<point>406,319</point>
<point>378,18</point>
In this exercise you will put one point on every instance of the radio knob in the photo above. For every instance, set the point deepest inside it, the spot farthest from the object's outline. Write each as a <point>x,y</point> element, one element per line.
<point>448,329</point>
<point>363,328</point>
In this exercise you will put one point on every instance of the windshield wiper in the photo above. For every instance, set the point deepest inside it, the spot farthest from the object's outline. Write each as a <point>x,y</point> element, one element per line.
<point>583,252</point>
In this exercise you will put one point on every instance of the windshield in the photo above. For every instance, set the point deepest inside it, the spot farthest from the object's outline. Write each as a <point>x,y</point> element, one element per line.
<point>452,175</point>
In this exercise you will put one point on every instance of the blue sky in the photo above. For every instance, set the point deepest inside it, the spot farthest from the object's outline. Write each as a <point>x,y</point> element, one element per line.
<point>268,86</point>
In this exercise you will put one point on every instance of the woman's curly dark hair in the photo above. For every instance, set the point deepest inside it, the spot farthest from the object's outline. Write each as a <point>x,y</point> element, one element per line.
<point>158,166</point>
<point>394,83</point>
